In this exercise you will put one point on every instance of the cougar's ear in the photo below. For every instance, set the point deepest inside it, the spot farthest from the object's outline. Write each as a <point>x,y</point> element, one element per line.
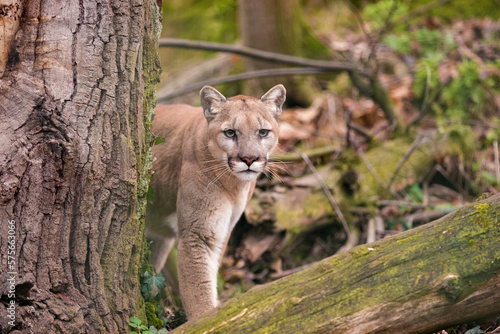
<point>277,96</point>
<point>211,98</point>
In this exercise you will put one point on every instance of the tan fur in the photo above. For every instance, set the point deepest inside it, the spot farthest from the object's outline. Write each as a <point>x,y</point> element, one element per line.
<point>203,180</point>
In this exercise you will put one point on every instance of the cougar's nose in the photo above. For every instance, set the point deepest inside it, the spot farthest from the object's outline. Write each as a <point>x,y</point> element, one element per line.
<point>249,160</point>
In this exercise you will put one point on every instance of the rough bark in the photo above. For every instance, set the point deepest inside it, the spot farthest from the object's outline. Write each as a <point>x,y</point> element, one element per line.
<point>438,275</point>
<point>10,18</point>
<point>74,159</point>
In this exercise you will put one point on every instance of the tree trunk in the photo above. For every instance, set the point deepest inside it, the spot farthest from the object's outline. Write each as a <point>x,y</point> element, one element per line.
<point>277,26</point>
<point>75,101</point>
<point>438,275</point>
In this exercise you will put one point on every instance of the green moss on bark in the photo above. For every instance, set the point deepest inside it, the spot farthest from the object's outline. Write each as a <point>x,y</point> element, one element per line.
<point>151,77</point>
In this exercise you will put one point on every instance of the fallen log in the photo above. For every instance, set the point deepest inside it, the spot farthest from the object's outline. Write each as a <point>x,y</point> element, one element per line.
<point>432,277</point>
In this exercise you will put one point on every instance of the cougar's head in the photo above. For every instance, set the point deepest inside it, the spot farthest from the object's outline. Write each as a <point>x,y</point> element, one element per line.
<point>242,130</point>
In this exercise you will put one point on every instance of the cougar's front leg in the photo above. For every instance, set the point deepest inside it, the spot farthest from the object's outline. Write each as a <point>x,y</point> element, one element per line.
<point>199,249</point>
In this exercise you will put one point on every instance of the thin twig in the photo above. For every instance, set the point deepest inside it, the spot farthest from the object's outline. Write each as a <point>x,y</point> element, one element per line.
<point>402,203</point>
<point>290,271</point>
<point>371,169</point>
<point>371,234</point>
<point>348,115</point>
<point>425,216</point>
<point>316,133</point>
<point>162,98</point>
<point>260,54</point>
<point>388,23</point>
<point>327,192</point>
<point>376,132</point>
<point>414,146</point>
<point>362,130</point>
<point>427,87</point>
<point>375,90</point>
<point>360,20</point>
<point>314,153</point>
<point>497,160</point>
<point>379,226</point>
<point>414,13</point>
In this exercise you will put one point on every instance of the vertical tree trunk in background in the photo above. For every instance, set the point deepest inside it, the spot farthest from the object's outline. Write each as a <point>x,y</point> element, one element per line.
<point>277,26</point>
<point>74,163</point>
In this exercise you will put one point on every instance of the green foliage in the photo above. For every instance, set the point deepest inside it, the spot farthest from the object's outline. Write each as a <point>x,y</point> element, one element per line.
<point>431,46</point>
<point>137,324</point>
<point>150,194</point>
<point>153,330</point>
<point>456,9</point>
<point>415,193</point>
<point>142,329</point>
<point>159,140</point>
<point>153,290</point>
<point>464,9</point>
<point>399,43</point>
<point>153,286</point>
<point>377,13</point>
<point>475,330</point>
<point>445,206</point>
<point>465,96</point>
<point>217,19</point>
<point>464,99</point>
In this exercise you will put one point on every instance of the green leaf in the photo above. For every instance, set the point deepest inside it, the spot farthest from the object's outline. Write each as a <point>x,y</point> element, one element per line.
<point>133,325</point>
<point>134,332</point>
<point>445,206</point>
<point>416,193</point>
<point>135,320</point>
<point>149,194</point>
<point>153,285</point>
<point>159,140</point>
<point>475,330</point>
<point>153,330</point>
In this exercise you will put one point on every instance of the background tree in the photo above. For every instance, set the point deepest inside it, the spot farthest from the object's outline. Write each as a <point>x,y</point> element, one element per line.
<point>278,26</point>
<point>75,102</point>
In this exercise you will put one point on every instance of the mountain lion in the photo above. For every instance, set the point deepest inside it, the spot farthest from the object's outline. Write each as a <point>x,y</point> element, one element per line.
<point>205,172</point>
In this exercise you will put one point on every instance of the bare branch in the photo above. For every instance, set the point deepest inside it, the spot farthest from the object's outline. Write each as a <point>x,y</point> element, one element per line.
<point>414,146</point>
<point>162,98</point>
<point>332,66</point>
<point>327,192</point>
<point>414,13</point>
<point>360,20</point>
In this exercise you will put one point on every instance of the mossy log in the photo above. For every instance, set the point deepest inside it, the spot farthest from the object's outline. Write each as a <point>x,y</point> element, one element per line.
<point>437,275</point>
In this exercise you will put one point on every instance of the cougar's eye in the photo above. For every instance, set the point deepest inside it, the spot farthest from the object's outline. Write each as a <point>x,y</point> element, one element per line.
<point>230,133</point>
<point>263,133</point>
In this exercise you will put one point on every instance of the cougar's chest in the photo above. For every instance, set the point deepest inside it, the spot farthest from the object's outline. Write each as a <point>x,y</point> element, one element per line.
<point>239,202</point>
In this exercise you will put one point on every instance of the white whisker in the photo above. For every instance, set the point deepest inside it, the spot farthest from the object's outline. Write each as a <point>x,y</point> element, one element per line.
<point>280,165</point>
<point>209,161</point>
<point>218,177</point>
<point>273,174</point>
<point>214,168</point>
